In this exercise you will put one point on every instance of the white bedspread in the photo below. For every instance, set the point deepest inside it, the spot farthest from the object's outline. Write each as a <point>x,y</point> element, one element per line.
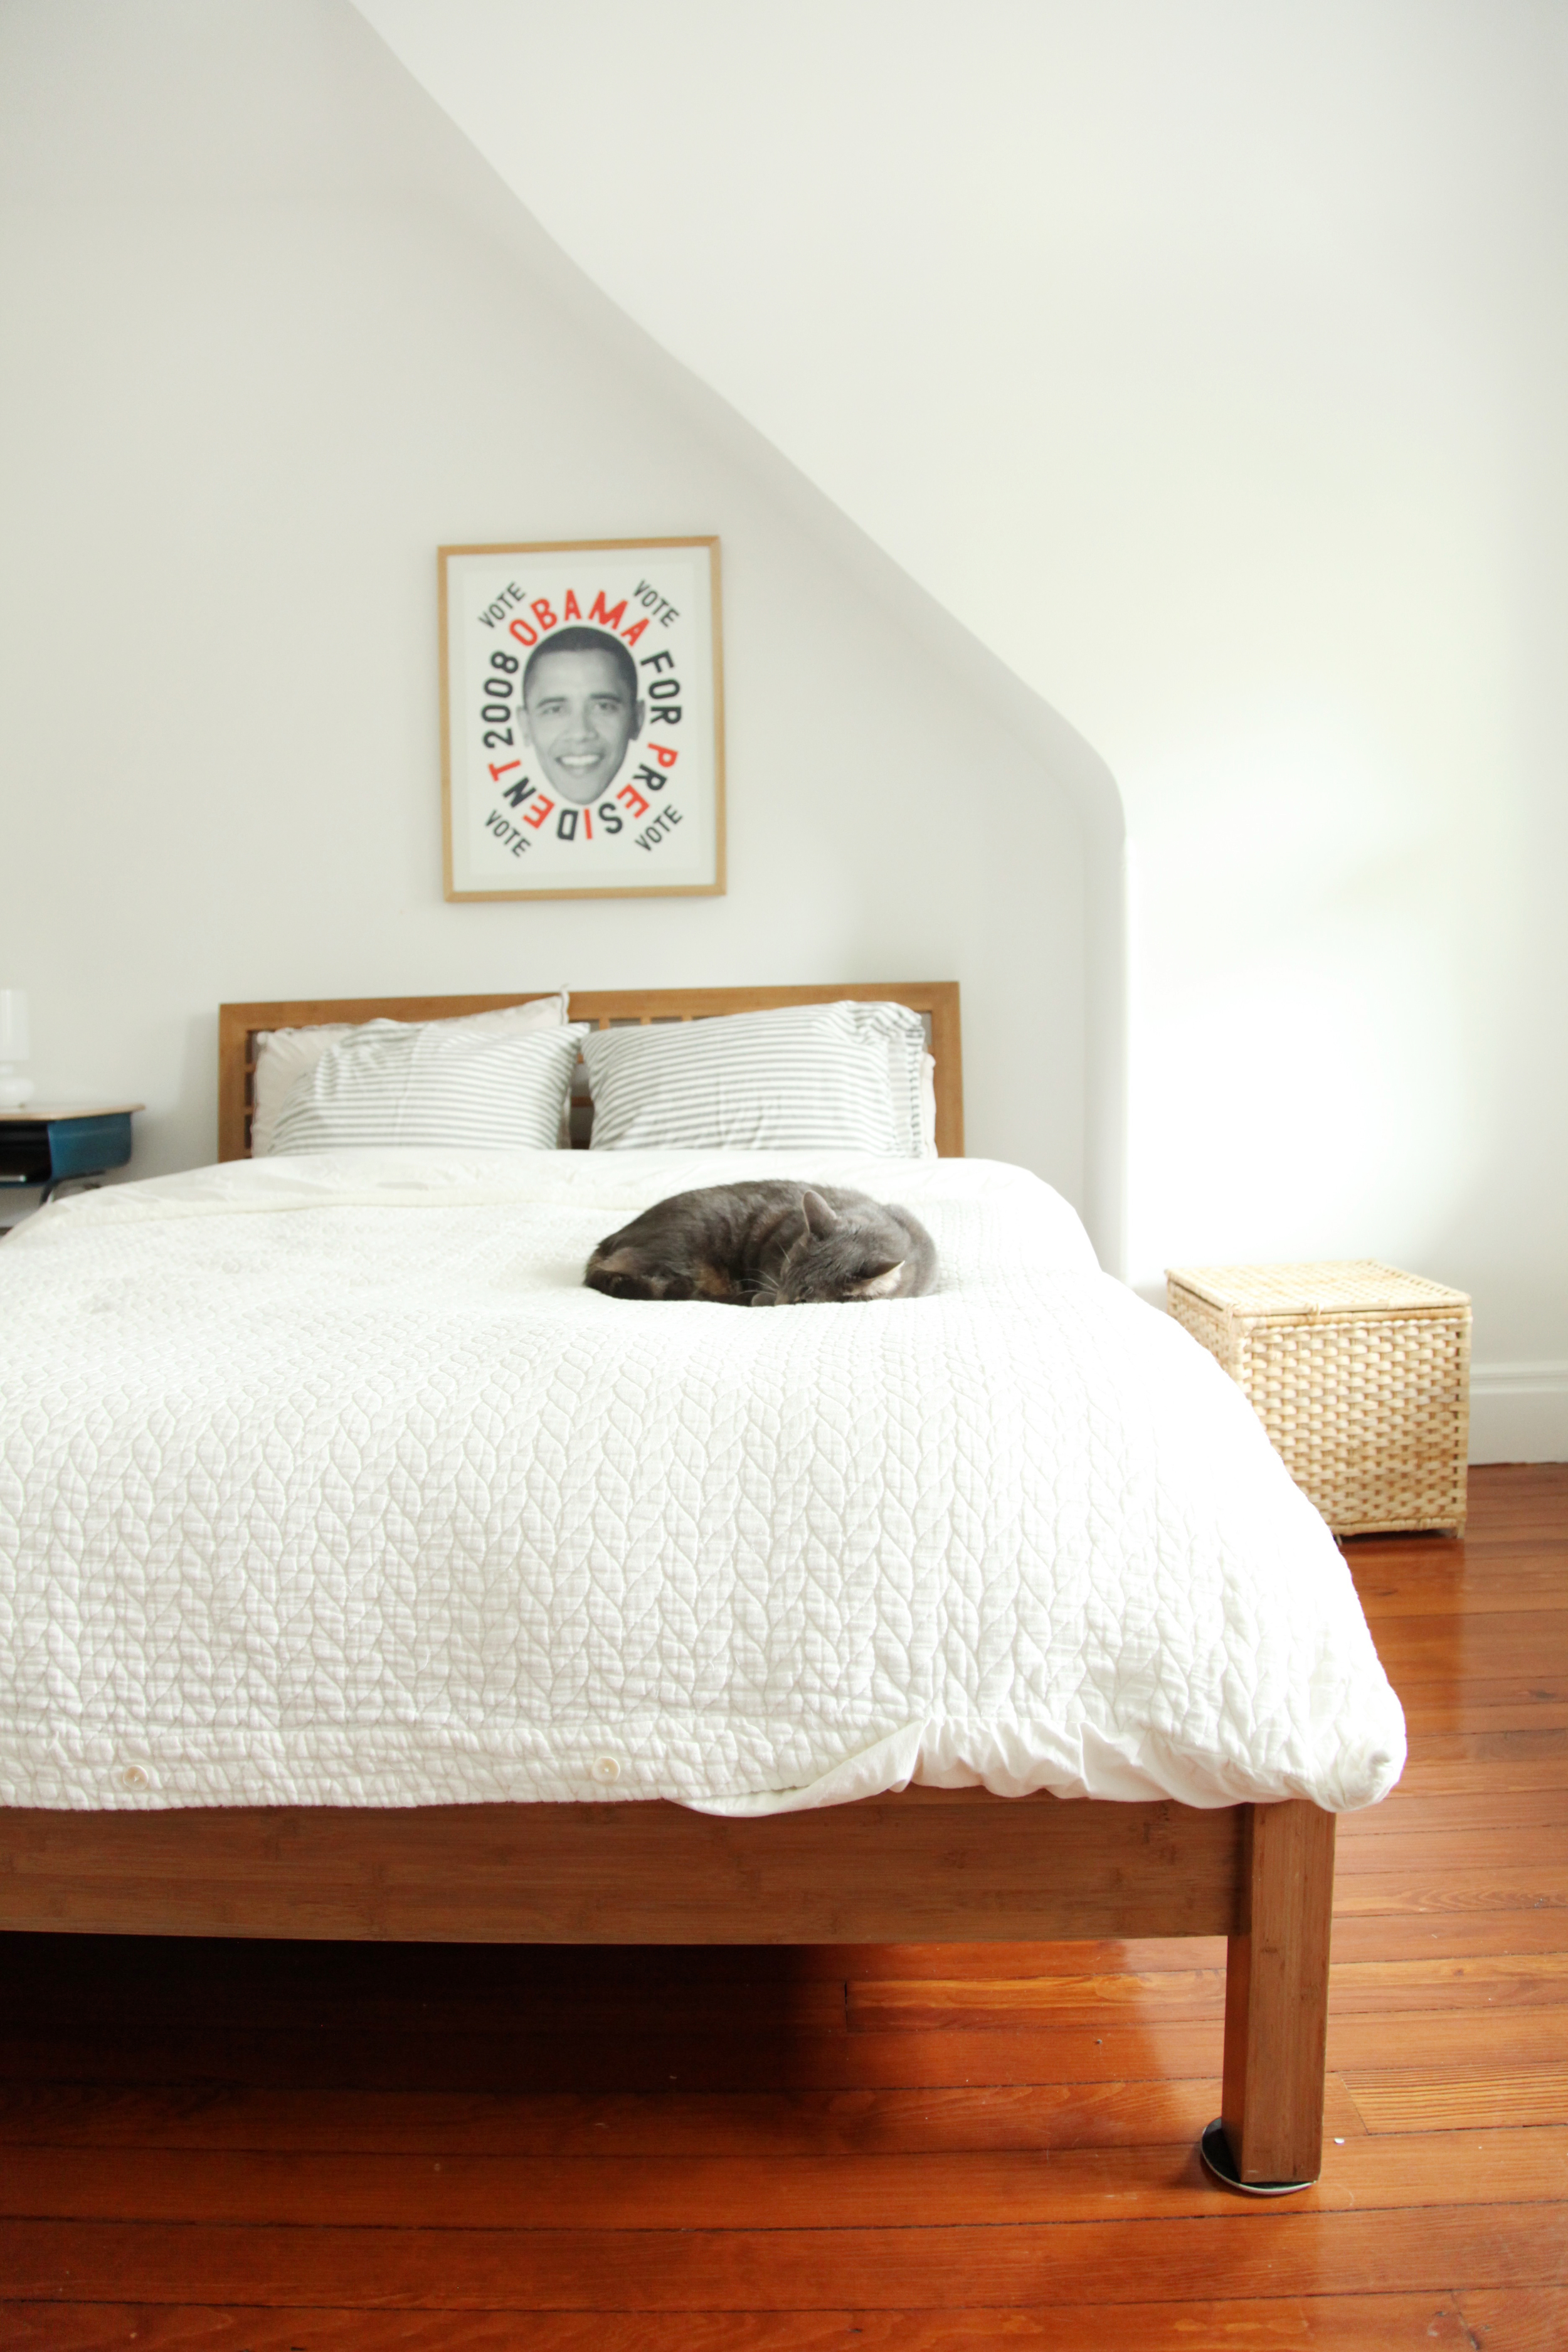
<point>324,1481</point>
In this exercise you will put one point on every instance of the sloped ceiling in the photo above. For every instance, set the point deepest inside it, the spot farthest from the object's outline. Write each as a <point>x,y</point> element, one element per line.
<point>1201,359</point>
<point>1028,288</point>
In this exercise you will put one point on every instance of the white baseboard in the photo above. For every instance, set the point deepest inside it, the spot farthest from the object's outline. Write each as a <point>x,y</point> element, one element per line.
<point>1519,1413</point>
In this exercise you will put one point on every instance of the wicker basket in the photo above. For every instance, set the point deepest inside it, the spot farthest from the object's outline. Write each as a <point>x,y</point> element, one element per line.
<point>1358,1373</point>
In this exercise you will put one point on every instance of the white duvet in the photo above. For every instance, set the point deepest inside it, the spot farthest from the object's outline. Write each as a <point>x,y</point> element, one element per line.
<point>324,1481</point>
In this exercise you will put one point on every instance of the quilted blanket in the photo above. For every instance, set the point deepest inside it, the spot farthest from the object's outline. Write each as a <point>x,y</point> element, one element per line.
<point>325,1481</point>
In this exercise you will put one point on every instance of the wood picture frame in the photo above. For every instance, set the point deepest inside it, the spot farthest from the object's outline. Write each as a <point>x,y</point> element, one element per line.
<point>582,719</point>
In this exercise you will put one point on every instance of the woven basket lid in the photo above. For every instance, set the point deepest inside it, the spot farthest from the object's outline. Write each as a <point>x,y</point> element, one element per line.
<point>1334,1286</point>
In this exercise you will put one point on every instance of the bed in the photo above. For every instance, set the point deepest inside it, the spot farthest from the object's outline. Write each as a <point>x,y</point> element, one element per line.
<point>942,1818</point>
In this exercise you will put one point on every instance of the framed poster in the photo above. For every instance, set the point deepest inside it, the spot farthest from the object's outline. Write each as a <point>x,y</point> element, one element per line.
<point>581,719</point>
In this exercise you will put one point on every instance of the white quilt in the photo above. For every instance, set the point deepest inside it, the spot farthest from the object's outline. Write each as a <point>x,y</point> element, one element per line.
<point>324,1481</point>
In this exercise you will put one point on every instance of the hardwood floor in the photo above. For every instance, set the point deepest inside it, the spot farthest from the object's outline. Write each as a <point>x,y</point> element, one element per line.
<point>329,2147</point>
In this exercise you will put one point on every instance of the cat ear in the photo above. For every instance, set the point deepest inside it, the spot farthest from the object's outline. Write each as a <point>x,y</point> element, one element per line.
<point>820,1220</point>
<point>881,1285</point>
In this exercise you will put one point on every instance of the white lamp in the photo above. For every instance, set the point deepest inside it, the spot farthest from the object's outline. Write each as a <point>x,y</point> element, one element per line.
<point>14,1047</point>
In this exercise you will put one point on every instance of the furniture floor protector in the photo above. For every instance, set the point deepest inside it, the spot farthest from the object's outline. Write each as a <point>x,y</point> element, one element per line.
<point>1215,2149</point>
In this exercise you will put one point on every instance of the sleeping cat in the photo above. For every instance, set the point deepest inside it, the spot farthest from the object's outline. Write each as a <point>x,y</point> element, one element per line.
<point>766,1244</point>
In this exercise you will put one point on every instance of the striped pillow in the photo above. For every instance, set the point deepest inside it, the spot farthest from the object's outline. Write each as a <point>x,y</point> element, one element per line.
<point>393,1082</point>
<point>283,1055</point>
<point>842,1076</point>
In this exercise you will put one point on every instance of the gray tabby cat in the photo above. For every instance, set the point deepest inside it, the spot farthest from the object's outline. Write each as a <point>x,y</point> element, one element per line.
<point>766,1244</point>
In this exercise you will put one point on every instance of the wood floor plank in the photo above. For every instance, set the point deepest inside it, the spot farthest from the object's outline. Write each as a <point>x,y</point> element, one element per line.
<point>1516,2319</point>
<point>1339,2323</point>
<point>1504,1775</point>
<point>1514,1746</point>
<point>931,2006</point>
<point>246,2186</point>
<point>1389,1988</point>
<point>1497,1703</point>
<point>1457,1935</point>
<point>1528,1643</point>
<point>1366,1987</point>
<point>1429,1814</point>
<point>1498,1580</point>
<point>1104,1957</point>
<point>1247,2252</point>
<point>1034,2116</point>
<point>1425,1885</point>
<point>1543,1849</point>
<point>1408,2098</point>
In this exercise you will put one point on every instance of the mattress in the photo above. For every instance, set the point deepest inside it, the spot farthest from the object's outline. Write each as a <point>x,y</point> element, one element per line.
<point>324,1481</point>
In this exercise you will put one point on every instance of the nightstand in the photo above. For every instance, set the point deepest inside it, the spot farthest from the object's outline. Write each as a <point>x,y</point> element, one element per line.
<point>45,1144</point>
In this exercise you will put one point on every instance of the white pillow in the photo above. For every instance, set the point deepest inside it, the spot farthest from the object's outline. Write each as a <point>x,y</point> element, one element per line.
<point>928,1107</point>
<point>843,1076</point>
<point>284,1055</point>
<point>391,1082</point>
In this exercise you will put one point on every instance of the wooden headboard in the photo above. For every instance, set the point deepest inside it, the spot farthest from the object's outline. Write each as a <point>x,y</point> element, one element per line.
<point>936,1000</point>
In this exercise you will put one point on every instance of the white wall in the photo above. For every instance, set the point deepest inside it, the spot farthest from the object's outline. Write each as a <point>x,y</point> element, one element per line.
<point>274,331</point>
<point>1208,361</point>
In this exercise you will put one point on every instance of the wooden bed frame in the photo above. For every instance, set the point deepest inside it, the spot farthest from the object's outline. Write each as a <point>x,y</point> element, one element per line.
<point>925,1865</point>
<point>238,1027</point>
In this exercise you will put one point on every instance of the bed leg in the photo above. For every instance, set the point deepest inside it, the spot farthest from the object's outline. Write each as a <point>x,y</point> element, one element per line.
<point>1269,2139</point>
